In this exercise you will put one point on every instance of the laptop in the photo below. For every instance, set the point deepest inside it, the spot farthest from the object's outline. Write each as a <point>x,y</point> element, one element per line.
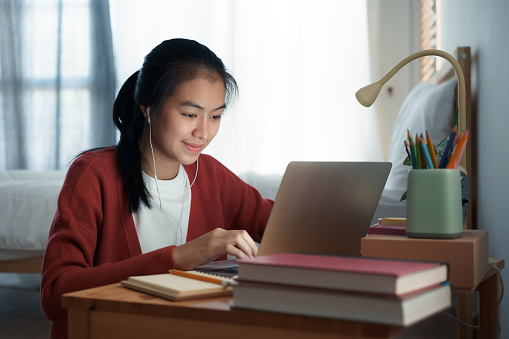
<point>320,207</point>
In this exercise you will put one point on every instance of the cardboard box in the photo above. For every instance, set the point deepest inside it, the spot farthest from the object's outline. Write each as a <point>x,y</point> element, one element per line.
<point>467,255</point>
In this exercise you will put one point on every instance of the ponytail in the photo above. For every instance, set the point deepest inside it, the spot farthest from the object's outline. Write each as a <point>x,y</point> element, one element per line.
<point>129,120</point>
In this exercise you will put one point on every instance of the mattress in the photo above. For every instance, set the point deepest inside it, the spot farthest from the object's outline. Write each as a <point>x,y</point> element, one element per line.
<point>28,201</point>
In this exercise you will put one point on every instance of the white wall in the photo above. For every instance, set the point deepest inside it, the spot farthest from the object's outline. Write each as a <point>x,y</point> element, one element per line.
<point>483,25</point>
<point>393,35</point>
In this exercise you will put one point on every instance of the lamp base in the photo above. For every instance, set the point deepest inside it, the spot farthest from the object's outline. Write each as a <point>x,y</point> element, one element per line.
<point>434,204</point>
<point>434,235</point>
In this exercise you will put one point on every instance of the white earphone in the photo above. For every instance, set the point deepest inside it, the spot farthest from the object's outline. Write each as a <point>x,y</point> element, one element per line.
<point>148,115</point>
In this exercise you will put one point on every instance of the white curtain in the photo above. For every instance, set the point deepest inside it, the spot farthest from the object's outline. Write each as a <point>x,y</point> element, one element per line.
<point>57,81</point>
<point>298,64</point>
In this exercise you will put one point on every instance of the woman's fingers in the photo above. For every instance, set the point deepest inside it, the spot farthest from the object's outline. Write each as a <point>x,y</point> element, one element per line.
<point>242,245</point>
<point>236,252</point>
<point>247,245</point>
<point>211,245</point>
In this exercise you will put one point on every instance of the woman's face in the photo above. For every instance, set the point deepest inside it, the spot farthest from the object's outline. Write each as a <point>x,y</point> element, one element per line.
<point>186,123</point>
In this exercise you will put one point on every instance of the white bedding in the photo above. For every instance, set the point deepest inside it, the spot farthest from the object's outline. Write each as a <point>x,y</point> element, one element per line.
<point>28,201</point>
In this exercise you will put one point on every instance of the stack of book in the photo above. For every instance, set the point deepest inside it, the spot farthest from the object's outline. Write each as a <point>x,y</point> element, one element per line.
<point>385,291</point>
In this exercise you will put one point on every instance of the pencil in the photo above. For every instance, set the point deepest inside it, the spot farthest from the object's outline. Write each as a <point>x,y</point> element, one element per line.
<point>412,150</point>
<point>448,149</point>
<point>418,152</point>
<point>431,150</point>
<point>458,152</point>
<point>407,149</point>
<point>424,161</point>
<point>426,154</point>
<point>199,277</point>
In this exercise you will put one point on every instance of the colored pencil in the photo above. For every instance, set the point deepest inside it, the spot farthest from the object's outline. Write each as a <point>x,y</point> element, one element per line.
<point>448,149</point>
<point>458,152</point>
<point>407,149</point>
<point>431,150</point>
<point>412,150</point>
<point>418,152</point>
<point>426,154</point>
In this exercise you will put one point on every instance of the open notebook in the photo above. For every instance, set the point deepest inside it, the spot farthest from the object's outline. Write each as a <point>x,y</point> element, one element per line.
<point>321,207</point>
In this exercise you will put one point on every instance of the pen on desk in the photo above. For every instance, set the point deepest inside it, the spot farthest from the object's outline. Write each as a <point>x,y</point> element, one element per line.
<point>213,280</point>
<point>431,150</point>
<point>426,154</point>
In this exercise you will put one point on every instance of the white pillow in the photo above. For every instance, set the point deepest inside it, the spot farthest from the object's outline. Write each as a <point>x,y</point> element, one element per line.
<point>428,107</point>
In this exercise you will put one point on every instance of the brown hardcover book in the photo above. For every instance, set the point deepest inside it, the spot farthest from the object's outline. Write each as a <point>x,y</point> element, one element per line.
<point>467,255</point>
<point>376,308</point>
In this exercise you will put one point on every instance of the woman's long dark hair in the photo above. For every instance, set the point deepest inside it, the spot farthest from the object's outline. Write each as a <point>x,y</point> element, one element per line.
<point>166,67</point>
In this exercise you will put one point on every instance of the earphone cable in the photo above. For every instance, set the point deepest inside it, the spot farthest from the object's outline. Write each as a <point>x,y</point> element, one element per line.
<point>179,223</point>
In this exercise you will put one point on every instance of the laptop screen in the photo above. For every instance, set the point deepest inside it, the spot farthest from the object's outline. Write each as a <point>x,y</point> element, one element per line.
<point>324,207</point>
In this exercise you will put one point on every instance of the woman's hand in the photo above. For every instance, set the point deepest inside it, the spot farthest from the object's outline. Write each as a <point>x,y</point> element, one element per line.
<point>212,245</point>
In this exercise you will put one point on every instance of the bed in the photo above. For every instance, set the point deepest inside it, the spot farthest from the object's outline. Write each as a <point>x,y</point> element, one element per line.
<point>28,198</point>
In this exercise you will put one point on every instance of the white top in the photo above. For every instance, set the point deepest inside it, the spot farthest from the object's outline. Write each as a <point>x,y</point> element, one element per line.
<point>159,227</point>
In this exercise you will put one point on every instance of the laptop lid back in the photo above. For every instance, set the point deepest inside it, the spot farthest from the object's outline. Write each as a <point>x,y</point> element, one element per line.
<point>324,207</point>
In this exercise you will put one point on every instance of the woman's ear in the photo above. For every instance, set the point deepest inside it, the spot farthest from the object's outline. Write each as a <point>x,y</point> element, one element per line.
<point>145,111</point>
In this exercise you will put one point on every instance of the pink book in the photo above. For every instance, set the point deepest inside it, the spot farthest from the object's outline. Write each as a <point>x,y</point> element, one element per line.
<point>373,275</point>
<point>387,229</point>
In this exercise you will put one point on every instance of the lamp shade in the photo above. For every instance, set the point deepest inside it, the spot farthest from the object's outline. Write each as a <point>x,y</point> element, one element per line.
<point>366,96</point>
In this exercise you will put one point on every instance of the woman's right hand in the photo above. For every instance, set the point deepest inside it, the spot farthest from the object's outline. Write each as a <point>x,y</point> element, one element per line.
<point>212,245</point>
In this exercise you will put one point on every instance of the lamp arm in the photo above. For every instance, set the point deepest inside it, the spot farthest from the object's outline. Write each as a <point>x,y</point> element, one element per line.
<point>445,55</point>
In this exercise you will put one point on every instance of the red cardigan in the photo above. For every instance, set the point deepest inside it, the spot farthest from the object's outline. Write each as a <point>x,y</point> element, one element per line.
<point>93,240</point>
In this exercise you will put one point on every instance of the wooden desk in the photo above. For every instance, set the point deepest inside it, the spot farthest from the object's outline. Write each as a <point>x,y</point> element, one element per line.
<point>489,294</point>
<point>116,312</point>
<point>469,267</point>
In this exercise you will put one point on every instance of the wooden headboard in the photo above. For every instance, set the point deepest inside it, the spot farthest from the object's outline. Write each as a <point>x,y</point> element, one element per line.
<point>466,122</point>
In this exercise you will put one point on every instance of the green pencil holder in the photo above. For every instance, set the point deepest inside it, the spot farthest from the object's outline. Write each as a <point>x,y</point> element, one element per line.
<point>434,204</point>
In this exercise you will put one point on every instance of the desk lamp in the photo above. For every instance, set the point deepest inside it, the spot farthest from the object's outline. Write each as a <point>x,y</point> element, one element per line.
<point>367,95</point>
<point>424,213</point>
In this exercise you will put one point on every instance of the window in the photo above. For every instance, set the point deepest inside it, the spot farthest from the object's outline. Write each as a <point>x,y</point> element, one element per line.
<point>49,83</point>
<point>429,36</point>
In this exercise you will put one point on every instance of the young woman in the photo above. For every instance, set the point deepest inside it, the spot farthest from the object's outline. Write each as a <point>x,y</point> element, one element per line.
<point>153,203</point>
